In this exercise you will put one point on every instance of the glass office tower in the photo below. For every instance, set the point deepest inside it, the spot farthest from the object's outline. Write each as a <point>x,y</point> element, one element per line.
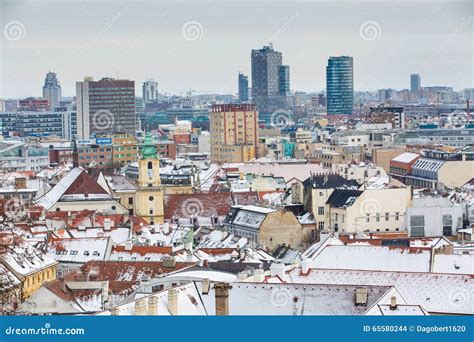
<point>340,85</point>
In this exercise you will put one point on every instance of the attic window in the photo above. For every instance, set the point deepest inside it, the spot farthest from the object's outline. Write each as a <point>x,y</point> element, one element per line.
<point>73,253</point>
<point>86,253</point>
<point>95,253</point>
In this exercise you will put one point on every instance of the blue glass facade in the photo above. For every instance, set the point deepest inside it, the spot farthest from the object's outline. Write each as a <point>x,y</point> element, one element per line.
<point>340,85</point>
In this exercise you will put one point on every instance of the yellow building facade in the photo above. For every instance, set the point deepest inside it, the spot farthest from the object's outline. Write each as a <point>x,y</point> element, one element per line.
<point>234,133</point>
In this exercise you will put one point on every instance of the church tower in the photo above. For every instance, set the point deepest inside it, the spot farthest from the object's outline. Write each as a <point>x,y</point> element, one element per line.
<point>150,195</point>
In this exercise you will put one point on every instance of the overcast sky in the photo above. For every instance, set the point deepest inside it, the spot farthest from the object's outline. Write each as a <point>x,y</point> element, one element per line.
<point>202,45</point>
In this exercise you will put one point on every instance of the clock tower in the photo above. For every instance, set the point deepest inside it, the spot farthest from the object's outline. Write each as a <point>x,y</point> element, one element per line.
<point>149,195</point>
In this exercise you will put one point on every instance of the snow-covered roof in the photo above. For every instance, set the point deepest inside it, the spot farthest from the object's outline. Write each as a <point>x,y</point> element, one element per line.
<point>78,185</point>
<point>453,263</point>
<point>436,292</point>
<point>24,259</point>
<point>53,195</point>
<point>263,299</point>
<point>375,258</point>
<point>399,310</point>
<point>7,278</point>
<point>188,298</point>
<point>406,157</point>
<point>80,250</point>
<point>296,299</point>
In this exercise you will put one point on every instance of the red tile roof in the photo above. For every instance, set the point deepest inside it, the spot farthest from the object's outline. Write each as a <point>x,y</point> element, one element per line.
<point>205,204</point>
<point>122,275</point>
<point>83,184</point>
<point>144,250</point>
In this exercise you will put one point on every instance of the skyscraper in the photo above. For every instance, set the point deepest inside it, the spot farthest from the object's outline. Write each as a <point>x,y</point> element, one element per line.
<point>150,90</point>
<point>243,88</point>
<point>52,90</point>
<point>415,83</point>
<point>105,106</point>
<point>340,85</point>
<point>266,94</point>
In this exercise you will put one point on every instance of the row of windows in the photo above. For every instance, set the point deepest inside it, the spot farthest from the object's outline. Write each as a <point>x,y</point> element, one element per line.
<point>39,278</point>
<point>386,216</point>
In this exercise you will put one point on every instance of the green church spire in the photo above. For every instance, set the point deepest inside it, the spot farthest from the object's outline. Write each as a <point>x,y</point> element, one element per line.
<point>148,148</point>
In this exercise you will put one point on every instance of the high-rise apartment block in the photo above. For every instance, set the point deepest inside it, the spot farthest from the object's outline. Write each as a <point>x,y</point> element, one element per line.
<point>233,133</point>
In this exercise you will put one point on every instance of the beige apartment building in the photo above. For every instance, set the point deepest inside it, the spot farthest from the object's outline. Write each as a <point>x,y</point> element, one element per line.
<point>233,133</point>
<point>369,211</point>
<point>327,155</point>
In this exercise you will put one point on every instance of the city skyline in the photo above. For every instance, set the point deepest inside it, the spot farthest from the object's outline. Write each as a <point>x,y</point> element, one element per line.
<point>178,43</point>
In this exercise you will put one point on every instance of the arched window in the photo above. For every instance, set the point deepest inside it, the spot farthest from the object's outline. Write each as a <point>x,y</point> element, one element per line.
<point>150,165</point>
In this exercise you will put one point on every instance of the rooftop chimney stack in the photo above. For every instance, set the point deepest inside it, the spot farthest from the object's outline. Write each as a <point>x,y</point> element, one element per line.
<point>277,269</point>
<point>173,301</point>
<point>140,307</point>
<point>393,303</point>
<point>305,264</point>
<point>20,183</point>
<point>152,306</point>
<point>258,275</point>
<point>222,298</point>
<point>205,286</point>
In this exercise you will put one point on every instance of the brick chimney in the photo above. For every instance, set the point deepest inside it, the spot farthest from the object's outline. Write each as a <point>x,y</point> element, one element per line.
<point>173,301</point>
<point>222,298</point>
<point>20,183</point>
<point>152,306</point>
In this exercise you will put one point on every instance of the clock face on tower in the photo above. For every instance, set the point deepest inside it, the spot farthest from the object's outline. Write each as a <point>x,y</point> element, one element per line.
<point>150,173</point>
